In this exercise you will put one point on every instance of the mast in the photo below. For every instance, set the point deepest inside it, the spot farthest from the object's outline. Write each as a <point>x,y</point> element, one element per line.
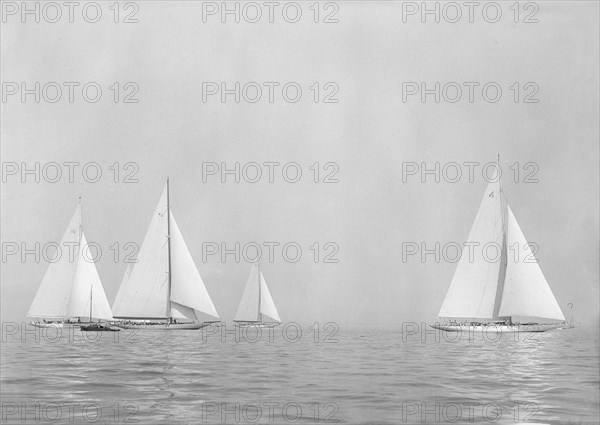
<point>259,313</point>
<point>79,235</point>
<point>503,253</point>
<point>169,254</point>
<point>91,289</point>
<point>80,230</point>
<point>80,227</point>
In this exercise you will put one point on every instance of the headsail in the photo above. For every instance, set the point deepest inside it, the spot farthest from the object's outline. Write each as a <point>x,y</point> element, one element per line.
<point>267,306</point>
<point>526,291</point>
<point>187,287</point>
<point>86,279</point>
<point>472,291</point>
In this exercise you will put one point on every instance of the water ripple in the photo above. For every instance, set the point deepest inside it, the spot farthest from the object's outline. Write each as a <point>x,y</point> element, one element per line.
<point>368,377</point>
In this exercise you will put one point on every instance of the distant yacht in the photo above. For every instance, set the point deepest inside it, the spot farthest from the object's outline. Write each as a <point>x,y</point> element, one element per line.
<point>163,290</point>
<point>64,294</point>
<point>96,326</point>
<point>486,295</point>
<point>257,304</point>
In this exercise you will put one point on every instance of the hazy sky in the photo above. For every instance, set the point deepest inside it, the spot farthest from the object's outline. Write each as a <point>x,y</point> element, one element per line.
<point>369,134</point>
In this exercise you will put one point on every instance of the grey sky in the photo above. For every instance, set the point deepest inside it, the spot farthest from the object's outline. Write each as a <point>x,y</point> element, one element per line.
<point>369,134</point>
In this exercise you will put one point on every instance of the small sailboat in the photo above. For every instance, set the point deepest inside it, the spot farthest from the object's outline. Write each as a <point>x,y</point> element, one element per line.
<point>96,326</point>
<point>257,307</point>
<point>163,290</point>
<point>61,298</point>
<point>488,296</point>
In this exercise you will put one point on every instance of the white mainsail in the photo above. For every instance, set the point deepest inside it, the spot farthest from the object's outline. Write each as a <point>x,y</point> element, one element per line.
<point>490,284</point>
<point>256,300</point>
<point>144,294</point>
<point>146,291</point>
<point>472,291</point>
<point>65,289</point>
<point>127,273</point>
<point>53,295</point>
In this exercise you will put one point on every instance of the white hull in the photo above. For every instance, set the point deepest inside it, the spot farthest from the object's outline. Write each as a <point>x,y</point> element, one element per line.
<point>46,325</point>
<point>162,326</point>
<point>491,328</point>
<point>255,324</point>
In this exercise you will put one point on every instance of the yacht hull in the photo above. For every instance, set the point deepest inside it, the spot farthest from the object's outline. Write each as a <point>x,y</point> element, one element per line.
<point>163,326</point>
<point>46,325</point>
<point>98,328</point>
<point>526,328</point>
<point>255,325</point>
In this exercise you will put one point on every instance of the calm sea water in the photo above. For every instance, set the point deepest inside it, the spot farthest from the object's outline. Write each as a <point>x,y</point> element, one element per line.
<point>367,376</point>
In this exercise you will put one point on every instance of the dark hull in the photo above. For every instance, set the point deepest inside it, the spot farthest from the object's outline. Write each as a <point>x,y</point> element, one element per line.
<point>94,327</point>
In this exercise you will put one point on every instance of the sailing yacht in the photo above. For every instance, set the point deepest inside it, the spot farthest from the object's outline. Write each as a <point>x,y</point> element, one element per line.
<point>96,326</point>
<point>62,297</point>
<point>256,304</point>
<point>163,290</point>
<point>487,295</point>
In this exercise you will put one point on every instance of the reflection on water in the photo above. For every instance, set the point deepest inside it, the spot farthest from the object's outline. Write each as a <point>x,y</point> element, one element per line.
<point>368,376</point>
